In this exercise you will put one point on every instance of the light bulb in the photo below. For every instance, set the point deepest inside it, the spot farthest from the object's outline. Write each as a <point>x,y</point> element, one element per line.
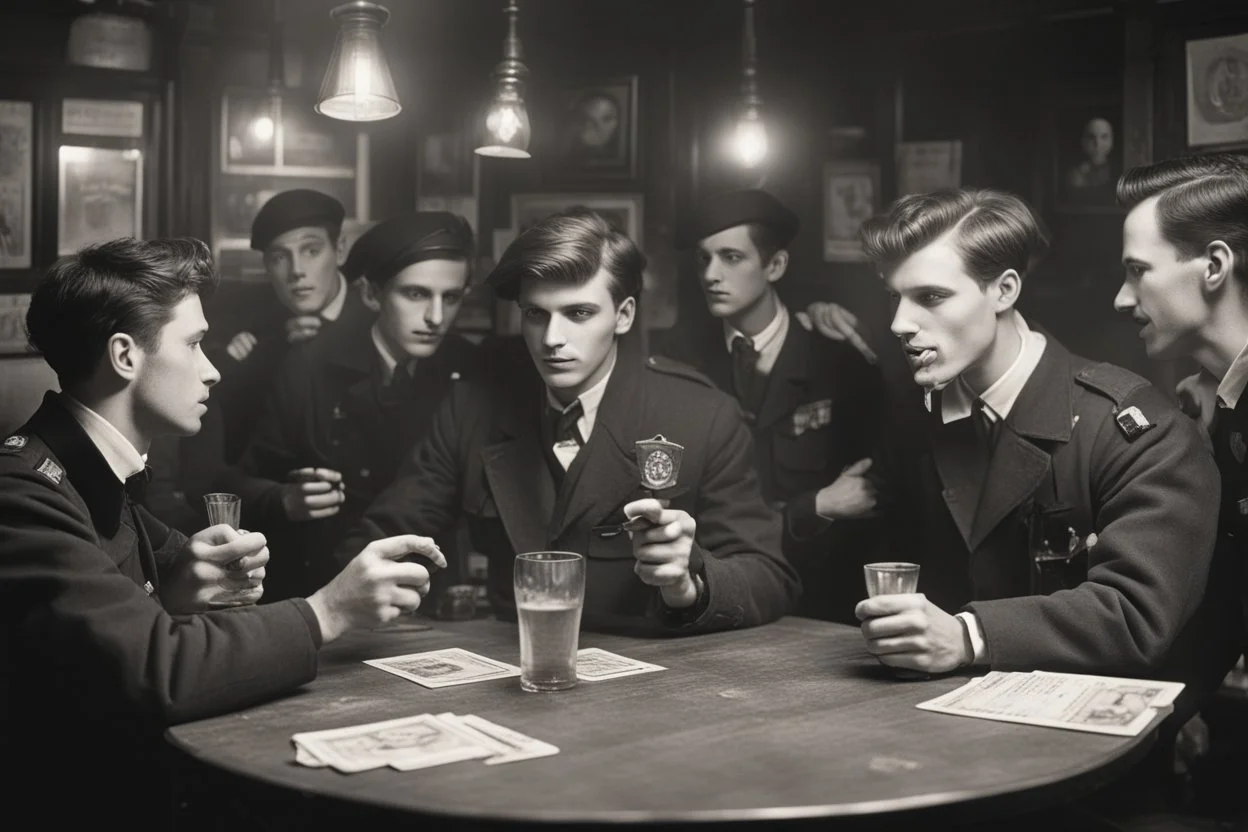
<point>750,141</point>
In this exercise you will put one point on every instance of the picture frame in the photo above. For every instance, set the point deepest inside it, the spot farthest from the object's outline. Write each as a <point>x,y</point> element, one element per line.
<point>17,134</point>
<point>263,134</point>
<point>1082,155</point>
<point>99,195</point>
<point>851,194</point>
<point>1217,92</point>
<point>624,211</point>
<point>13,309</point>
<point>97,117</point>
<point>595,130</point>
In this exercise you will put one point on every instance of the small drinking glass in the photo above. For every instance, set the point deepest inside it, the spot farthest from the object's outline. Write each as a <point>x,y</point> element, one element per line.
<point>894,578</point>
<point>224,508</point>
<point>550,593</point>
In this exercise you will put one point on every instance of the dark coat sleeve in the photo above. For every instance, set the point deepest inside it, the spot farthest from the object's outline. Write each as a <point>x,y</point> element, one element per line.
<point>737,540</point>
<point>75,623</point>
<point>1155,500</point>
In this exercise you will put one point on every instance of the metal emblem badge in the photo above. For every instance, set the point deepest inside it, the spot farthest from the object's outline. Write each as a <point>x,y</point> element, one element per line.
<point>15,442</point>
<point>658,462</point>
<point>1133,423</point>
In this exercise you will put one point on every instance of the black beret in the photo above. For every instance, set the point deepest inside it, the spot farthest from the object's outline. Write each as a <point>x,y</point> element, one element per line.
<point>392,245</point>
<point>300,208</point>
<point>733,208</point>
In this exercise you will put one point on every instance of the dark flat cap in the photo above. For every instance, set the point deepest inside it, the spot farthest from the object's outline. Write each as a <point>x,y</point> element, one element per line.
<point>300,208</point>
<point>392,245</point>
<point>733,208</point>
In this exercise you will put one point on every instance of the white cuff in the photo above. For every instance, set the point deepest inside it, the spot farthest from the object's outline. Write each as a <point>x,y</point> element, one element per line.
<point>975,634</point>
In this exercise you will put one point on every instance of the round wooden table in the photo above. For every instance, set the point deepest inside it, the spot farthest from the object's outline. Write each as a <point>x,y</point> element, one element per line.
<point>789,721</point>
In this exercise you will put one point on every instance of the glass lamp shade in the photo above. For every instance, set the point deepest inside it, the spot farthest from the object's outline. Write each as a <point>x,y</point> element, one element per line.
<point>506,127</point>
<point>357,85</point>
<point>750,139</point>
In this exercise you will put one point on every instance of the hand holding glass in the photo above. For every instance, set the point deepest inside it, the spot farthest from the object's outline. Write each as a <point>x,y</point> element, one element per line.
<point>225,508</point>
<point>894,578</point>
<point>550,593</point>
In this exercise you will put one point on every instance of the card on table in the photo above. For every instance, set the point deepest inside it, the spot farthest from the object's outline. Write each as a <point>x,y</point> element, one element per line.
<point>594,664</point>
<point>444,668</point>
<point>412,742</point>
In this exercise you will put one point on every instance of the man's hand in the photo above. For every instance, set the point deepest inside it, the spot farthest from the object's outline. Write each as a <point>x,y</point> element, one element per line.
<point>302,328</point>
<point>218,567</point>
<point>661,546</point>
<point>375,587</point>
<point>911,632</point>
<point>850,496</point>
<point>836,323</point>
<point>1199,401</point>
<point>241,345</point>
<point>312,493</point>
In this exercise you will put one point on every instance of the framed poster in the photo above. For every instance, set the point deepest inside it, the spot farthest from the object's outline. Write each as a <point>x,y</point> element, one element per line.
<point>851,194</point>
<point>17,120</point>
<point>99,196</point>
<point>1217,91</point>
<point>596,130</point>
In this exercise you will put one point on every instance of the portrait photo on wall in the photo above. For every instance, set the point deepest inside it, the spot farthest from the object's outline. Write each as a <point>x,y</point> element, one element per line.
<point>1217,91</point>
<point>596,130</point>
<point>851,194</point>
<point>99,196</point>
<point>1083,153</point>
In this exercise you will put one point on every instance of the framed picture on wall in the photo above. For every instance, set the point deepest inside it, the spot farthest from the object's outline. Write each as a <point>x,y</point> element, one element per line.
<point>624,211</point>
<point>851,194</point>
<point>1217,91</point>
<point>596,130</point>
<point>1083,151</point>
<point>17,131</point>
<point>445,165</point>
<point>13,325</point>
<point>99,196</point>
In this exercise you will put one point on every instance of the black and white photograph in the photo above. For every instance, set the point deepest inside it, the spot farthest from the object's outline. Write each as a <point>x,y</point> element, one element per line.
<point>597,130</point>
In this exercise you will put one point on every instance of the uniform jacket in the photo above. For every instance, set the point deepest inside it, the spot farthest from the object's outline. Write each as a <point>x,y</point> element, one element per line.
<point>1131,602</point>
<point>1230,450</point>
<point>89,660</point>
<point>823,409</point>
<point>483,459</point>
<point>331,408</point>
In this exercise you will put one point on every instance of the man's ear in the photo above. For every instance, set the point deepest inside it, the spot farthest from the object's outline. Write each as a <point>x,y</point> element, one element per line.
<point>1221,269</point>
<point>124,356</point>
<point>370,296</point>
<point>1006,290</point>
<point>625,313</point>
<point>778,265</point>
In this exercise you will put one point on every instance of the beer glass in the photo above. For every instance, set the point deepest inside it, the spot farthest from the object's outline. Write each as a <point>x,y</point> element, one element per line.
<point>894,578</point>
<point>550,592</point>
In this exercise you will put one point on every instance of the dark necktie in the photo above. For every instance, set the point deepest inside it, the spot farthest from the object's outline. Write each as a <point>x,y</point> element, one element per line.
<point>136,485</point>
<point>985,427</point>
<point>565,424</point>
<point>745,372</point>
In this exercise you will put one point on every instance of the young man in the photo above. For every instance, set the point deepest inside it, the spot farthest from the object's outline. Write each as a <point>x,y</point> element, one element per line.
<point>348,406</point>
<point>814,405</point>
<point>1185,252</point>
<point>1024,437</point>
<point>542,454</point>
<point>109,632</point>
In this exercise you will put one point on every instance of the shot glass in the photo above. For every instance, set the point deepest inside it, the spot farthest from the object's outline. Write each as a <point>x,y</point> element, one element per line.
<point>894,578</point>
<point>550,593</point>
<point>223,508</point>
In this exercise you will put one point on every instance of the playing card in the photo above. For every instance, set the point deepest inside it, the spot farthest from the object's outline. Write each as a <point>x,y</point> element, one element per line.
<point>414,742</point>
<point>444,668</point>
<point>511,746</point>
<point>595,664</point>
<point>304,757</point>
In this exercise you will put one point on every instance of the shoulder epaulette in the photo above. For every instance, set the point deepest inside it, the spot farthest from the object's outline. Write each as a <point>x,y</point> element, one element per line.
<point>670,367</point>
<point>1110,381</point>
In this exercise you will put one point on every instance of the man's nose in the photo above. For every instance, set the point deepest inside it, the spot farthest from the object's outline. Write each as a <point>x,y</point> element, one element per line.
<point>434,313</point>
<point>1124,301</point>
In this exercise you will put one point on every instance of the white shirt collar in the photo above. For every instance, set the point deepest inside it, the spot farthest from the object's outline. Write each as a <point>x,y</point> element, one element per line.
<point>1236,379</point>
<point>122,457</point>
<point>388,361</point>
<point>590,400</point>
<point>957,400</point>
<point>334,309</point>
<point>768,342</point>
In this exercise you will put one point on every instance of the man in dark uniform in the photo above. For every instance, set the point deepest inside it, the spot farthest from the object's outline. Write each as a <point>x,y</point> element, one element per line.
<point>350,404</point>
<point>299,233</point>
<point>108,623</point>
<point>1057,506</point>
<point>815,406</point>
<point>542,454</point>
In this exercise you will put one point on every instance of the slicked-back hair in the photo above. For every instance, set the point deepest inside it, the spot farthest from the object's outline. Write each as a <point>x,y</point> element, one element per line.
<point>992,230</point>
<point>124,285</point>
<point>571,247</point>
<point>1200,199</point>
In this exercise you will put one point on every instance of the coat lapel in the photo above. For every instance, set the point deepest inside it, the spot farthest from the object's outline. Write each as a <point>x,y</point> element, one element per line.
<point>788,378</point>
<point>516,470</point>
<point>604,473</point>
<point>955,452</point>
<point>1043,412</point>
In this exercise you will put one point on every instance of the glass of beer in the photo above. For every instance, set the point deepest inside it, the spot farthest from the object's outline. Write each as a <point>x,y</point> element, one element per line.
<point>891,578</point>
<point>550,592</point>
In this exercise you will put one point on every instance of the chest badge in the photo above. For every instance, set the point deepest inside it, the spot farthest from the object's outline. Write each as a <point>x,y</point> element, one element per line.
<point>51,470</point>
<point>658,462</point>
<point>1133,423</point>
<point>812,416</point>
<point>15,442</point>
<point>1238,448</point>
